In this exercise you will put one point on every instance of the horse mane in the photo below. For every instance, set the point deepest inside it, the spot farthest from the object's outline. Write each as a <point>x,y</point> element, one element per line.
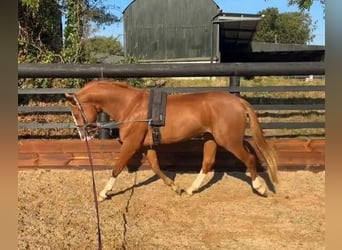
<point>98,83</point>
<point>121,84</point>
<point>100,87</point>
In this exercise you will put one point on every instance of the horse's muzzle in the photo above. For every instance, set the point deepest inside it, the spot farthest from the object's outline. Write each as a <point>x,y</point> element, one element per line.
<point>83,134</point>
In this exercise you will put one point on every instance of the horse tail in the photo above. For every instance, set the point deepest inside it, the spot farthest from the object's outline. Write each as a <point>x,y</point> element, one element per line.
<point>266,150</point>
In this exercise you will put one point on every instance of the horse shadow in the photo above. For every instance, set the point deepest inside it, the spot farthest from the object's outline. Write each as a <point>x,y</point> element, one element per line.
<point>134,166</point>
<point>242,176</point>
<point>148,181</point>
<point>226,164</point>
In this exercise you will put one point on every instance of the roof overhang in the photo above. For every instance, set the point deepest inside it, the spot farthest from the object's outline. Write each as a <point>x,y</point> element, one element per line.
<point>237,28</point>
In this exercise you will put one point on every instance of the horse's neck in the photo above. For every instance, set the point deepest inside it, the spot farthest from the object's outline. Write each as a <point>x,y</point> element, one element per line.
<point>118,102</point>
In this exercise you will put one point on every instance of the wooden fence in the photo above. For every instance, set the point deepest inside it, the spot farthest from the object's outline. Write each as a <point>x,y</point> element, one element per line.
<point>233,70</point>
<point>305,153</point>
<point>293,154</point>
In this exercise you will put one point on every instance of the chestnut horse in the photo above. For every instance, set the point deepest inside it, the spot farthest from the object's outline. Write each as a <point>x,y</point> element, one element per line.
<point>221,116</point>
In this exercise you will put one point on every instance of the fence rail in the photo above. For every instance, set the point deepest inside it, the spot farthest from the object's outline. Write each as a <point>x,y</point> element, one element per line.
<point>62,109</point>
<point>269,125</point>
<point>233,89</point>
<point>169,70</point>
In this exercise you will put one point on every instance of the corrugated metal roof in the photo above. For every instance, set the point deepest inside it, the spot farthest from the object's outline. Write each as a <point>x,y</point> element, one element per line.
<point>136,0</point>
<point>237,28</point>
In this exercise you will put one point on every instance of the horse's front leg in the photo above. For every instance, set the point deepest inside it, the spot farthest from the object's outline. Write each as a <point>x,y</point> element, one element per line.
<point>126,152</point>
<point>152,158</point>
<point>209,153</point>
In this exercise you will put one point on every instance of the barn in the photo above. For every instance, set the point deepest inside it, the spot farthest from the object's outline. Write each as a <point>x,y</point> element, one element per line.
<point>169,30</point>
<point>199,31</point>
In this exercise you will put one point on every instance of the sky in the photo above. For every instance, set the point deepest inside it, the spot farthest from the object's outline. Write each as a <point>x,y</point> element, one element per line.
<point>243,6</point>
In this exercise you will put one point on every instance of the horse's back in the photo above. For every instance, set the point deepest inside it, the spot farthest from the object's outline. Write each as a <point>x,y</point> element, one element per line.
<point>189,115</point>
<point>204,101</point>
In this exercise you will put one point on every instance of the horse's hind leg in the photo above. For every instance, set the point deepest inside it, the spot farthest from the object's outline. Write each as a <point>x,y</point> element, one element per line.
<point>152,158</point>
<point>249,160</point>
<point>209,153</point>
<point>258,183</point>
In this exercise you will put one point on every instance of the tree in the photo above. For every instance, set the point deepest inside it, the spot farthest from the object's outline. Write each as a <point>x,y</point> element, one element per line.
<point>73,49</point>
<point>40,28</point>
<point>98,48</point>
<point>79,16</point>
<point>289,27</point>
<point>40,31</point>
<point>304,4</point>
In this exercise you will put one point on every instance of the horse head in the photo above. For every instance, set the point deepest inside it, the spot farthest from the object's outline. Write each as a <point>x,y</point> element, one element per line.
<point>84,114</point>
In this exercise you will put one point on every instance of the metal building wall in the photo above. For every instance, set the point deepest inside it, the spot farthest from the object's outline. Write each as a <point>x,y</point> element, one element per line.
<point>170,29</point>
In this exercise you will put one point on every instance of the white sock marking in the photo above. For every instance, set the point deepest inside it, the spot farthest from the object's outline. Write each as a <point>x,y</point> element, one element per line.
<point>108,187</point>
<point>259,185</point>
<point>197,182</point>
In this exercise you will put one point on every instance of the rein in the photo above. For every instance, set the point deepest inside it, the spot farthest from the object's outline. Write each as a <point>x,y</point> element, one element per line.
<point>95,126</point>
<point>92,172</point>
<point>95,193</point>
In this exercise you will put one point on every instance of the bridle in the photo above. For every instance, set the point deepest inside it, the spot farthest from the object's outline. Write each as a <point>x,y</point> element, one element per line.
<point>87,126</point>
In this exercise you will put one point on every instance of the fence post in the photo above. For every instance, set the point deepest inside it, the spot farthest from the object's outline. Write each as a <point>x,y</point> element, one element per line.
<point>102,118</point>
<point>234,81</point>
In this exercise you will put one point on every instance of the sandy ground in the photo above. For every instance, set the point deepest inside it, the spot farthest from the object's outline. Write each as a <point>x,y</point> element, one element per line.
<point>57,211</point>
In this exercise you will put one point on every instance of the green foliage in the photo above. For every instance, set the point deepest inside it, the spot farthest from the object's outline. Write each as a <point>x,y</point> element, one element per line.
<point>129,60</point>
<point>40,33</point>
<point>73,50</point>
<point>289,27</point>
<point>107,45</point>
<point>33,4</point>
<point>39,26</point>
<point>100,16</point>
<point>39,38</point>
<point>304,4</point>
<point>101,47</point>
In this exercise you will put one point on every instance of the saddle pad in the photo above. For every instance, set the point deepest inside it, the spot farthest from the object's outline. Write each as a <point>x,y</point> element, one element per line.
<point>157,107</point>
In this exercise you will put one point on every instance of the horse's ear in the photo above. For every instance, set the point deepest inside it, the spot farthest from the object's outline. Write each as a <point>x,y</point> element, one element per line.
<point>70,98</point>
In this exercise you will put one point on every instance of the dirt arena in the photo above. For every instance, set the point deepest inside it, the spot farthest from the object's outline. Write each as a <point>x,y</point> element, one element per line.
<point>56,211</point>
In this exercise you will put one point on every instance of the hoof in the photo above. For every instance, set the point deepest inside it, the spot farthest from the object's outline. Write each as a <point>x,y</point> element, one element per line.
<point>260,187</point>
<point>189,192</point>
<point>176,189</point>
<point>100,198</point>
<point>261,191</point>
